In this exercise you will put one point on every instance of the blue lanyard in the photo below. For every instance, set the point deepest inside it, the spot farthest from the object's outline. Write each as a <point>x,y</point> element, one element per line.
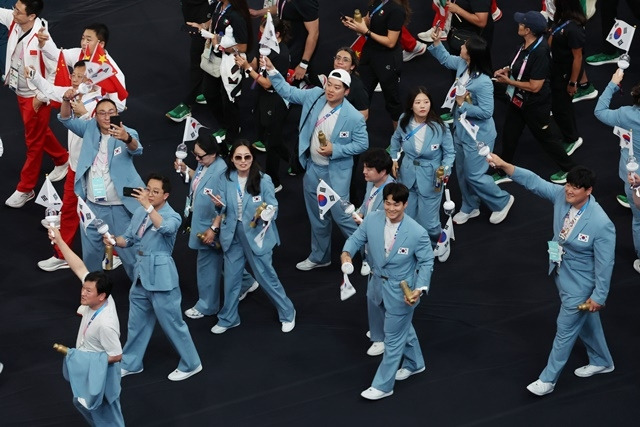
<point>380,6</point>
<point>93,317</point>
<point>560,28</point>
<point>326,116</point>
<point>215,27</point>
<point>414,131</point>
<point>526,58</point>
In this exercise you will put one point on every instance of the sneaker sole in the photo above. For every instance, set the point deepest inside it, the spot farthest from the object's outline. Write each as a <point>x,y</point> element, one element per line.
<point>411,374</point>
<point>623,204</point>
<point>58,267</point>
<point>22,204</point>
<point>604,371</point>
<point>609,61</point>
<point>311,268</point>
<point>592,95</point>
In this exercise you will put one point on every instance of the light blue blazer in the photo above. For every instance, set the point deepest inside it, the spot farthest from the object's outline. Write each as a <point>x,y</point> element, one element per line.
<point>228,191</point>
<point>480,111</point>
<point>378,203</point>
<point>627,117</point>
<point>411,252</point>
<point>204,211</point>
<point>123,172</point>
<point>587,264</point>
<point>154,264</point>
<point>349,135</point>
<point>92,378</point>
<point>419,168</point>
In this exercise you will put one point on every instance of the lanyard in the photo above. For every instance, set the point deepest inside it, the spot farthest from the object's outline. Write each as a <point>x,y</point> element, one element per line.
<point>326,116</point>
<point>380,6</point>
<point>196,178</point>
<point>387,250</point>
<point>373,196</point>
<point>560,28</point>
<point>568,225</point>
<point>414,131</point>
<point>93,317</point>
<point>526,58</point>
<point>240,192</point>
<point>283,3</point>
<point>215,27</point>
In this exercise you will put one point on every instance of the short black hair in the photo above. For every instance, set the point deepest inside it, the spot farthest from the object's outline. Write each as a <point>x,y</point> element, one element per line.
<point>33,7</point>
<point>398,192</point>
<point>81,63</point>
<point>104,285</point>
<point>166,184</point>
<point>101,30</point>
<point>102,101</point>
<point>581,177</point>
<point>377,158</point>
<point>210,145</point>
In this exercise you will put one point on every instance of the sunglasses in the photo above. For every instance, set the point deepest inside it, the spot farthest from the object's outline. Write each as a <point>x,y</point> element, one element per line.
<point>239,158</point>
<point>199,156</point>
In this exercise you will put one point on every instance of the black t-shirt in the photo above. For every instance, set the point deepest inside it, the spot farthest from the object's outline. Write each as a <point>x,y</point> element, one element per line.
<point>570,36</point>
<point>390,17</point>
<point>473,6</point>
<point>358,96</point>
<point>297,12</point>
<point>222,18</point>
<point>281,60</point>
<point>196,10</point>
<point>537,68</point>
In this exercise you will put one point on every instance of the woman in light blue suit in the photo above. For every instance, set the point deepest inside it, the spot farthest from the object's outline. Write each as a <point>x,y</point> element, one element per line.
<point>248,233</point>
<point>204,181</point>
<point>427,145</point>
<point>473,70</point>
<point>628,118</point>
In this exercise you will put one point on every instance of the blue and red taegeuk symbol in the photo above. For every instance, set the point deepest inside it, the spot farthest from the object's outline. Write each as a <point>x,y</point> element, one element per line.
<point>322,200</point>
<point>617,33</point>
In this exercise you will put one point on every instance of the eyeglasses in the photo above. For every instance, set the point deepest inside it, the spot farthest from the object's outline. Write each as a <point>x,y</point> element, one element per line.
<point>106,113</point>
<point>199,156</point>
<point>339,58</point>
<point>239,158</point>
<point>154,192</point>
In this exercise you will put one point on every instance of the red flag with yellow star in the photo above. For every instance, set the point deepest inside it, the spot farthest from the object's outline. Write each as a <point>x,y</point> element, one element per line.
<point>111,84</point>
<point>358,44</point>
<point>63,78</point>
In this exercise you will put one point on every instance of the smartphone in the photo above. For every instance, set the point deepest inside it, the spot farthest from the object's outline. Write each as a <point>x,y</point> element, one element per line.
<point>115,120</point>
<point>128,191</point>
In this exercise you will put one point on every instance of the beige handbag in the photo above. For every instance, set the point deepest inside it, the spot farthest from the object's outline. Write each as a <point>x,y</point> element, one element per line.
<point>209,61</point>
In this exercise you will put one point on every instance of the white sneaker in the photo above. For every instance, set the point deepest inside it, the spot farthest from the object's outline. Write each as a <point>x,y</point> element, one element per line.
<point>117,262</point>
<point>307,265</point>
<point>375,394</point>
<point>18,199</point>
<point>499,216</point>
<point>461,217</point>
<point>46,223</point>
<point>540,388</point>
<point>427,36</point>
<point>589,370</point>
<point>193,313</point>
<point>59,172</point>
<point>53,264</point>
<point>278,189</point>
<point>124,372</point>
<point>217,329</point>
<point>420,49</point>
<point>376,349</point>
<point>288,326</point>
<point>178,375</point>
<point>636,265</point>
<point>404,373</point>
<point>365,270</point>
<point>253,287</point>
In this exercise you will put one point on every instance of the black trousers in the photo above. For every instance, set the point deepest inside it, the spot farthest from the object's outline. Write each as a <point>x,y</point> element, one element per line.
<point>562,106</point>
<point>226,113</point>
<point>609,12</point>
<point>272,112</point>
<point>536,117</point>
<point>195,72</point>
<point>383,68</point>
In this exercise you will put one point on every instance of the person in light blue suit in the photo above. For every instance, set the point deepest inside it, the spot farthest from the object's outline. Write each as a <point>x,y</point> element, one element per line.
<point>628,118</point>
<point>473,72</point>
<point>399,250</point>
<point>346,134</point>
<point>203,181</point>
<point>581,258</point>
<point>105,167</point>
<point>155,292</point>
<point>248,233</point>
<point>427,144</point>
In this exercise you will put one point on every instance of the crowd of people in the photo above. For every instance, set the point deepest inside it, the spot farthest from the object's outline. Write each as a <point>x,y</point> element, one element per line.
<point>232,207</point>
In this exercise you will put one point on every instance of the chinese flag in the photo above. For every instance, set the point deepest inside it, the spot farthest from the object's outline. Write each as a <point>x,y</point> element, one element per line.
<point>63,78</point>
<point>112,84</point>
<point>358,44</point>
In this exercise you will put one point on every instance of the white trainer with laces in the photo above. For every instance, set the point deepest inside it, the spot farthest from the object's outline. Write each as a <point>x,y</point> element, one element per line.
<point>53,264</point>
<point>590,370</point>
<point>461,217</point>
<point>540,388</point>
<point>59,172</point>
<point>18,199</point>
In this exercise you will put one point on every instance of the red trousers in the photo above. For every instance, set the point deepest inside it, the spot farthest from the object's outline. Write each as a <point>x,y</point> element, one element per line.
<point>407,41</point>
<point>39,139</point>
<point>69,220</point>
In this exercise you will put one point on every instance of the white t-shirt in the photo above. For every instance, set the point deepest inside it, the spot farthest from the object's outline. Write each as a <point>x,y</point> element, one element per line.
<point>99,332</point>
<point>327,127</point>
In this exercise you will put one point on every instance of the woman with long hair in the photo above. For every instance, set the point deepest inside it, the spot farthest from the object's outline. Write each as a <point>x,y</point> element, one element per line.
<point>627,118</point>
<point>473,71</point>
<point>567,41</point>
<point>381,58</point>
<point>427,146</point>
<point>203,180</point>
<point>248,233</point>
